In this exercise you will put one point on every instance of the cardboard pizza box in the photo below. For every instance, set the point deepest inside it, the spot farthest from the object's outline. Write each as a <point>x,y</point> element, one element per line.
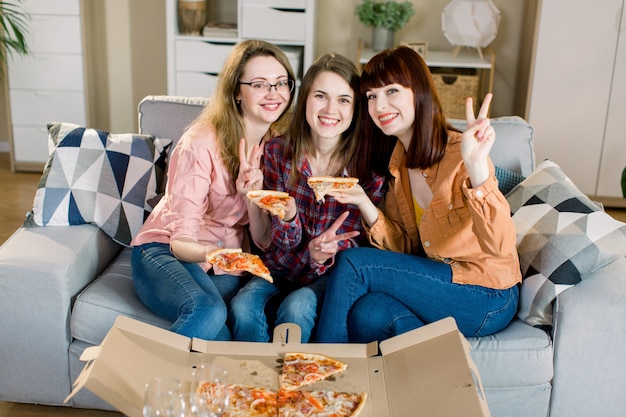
<point>425,372</point>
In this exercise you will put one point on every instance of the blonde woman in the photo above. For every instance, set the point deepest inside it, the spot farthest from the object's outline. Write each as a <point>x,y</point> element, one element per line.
<point>201,209</point>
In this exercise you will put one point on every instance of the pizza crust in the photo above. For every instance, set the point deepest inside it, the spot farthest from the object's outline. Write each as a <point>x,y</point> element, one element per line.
<point>300,369</point>
<point>322,185</point>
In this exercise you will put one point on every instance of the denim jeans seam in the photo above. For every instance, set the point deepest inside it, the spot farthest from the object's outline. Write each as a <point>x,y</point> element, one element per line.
<point>494,313</point>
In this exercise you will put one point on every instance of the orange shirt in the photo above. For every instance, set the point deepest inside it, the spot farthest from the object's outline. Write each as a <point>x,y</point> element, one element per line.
<point>468,228</point>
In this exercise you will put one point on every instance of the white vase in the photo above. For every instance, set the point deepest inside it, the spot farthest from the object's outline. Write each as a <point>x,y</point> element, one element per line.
<point>382,38</point>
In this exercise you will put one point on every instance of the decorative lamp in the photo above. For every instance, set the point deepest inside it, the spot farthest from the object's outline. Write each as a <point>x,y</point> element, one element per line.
<point>472,23</point>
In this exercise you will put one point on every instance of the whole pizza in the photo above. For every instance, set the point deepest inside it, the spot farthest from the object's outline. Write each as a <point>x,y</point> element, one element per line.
<point>298,370</point>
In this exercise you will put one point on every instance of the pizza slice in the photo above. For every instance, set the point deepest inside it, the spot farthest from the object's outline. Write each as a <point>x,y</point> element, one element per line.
<point>272,201</point>
<point>243,400</point>
<point>235,260</point>
<point>321,403</point>
<point>300,369</point>
<point>322,185</point>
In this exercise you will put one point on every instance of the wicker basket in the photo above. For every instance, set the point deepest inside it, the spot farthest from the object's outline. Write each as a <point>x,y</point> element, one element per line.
<point>453,86</point>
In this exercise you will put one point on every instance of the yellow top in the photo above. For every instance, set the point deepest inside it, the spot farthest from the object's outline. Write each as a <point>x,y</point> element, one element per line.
<point>419,211</point>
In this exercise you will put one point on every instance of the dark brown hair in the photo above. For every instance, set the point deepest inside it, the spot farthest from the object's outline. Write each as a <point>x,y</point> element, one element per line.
<point>402,65</point>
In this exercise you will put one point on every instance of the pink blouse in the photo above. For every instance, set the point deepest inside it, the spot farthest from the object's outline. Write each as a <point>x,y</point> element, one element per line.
<point>200,202</point>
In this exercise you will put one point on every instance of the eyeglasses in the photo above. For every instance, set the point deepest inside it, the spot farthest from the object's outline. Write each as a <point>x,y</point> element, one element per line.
<point>262,87</point>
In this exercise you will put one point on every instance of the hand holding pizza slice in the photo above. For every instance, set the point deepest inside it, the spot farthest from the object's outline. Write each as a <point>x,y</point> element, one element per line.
<point>322,185</point>
<point>235,260</point>
<point>273,201</point>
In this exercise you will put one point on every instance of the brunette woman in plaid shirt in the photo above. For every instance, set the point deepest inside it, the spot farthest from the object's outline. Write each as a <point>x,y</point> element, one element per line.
<point>299,249</point>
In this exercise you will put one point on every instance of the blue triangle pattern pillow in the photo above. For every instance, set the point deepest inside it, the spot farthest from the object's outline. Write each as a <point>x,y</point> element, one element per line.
<point>94,176</point>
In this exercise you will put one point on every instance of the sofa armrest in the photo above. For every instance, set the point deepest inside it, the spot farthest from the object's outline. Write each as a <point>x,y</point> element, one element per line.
<point>589,340</point>
<point>42,269</point>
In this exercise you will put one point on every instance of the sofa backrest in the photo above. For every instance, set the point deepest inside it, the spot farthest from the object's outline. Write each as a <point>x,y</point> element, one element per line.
<point>513,148</point>
<point>168,116</point>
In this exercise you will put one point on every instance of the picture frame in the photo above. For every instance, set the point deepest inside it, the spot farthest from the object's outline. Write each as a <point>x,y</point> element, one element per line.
<point>421,47</point>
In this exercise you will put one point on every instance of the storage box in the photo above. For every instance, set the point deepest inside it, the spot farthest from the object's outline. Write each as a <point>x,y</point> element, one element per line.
<point>425,372</point>
<point>453,86</point>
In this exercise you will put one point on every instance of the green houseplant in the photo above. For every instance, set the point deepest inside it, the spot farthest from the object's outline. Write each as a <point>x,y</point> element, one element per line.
<point>386,17</point>
<point>13,30</point>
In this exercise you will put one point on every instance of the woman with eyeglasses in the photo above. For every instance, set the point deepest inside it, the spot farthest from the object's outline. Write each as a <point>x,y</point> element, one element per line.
<point>201,209</point>
<point>300,248</point>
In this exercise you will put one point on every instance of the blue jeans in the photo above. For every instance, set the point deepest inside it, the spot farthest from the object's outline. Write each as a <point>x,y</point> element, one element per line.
<point>412,285</point>
<point>260,304</point>
<point>182,292</point>
<point>378,316</point>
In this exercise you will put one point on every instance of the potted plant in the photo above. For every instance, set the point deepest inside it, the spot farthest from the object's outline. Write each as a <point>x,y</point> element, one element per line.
<point>386,17</point>
<point>13,30</point>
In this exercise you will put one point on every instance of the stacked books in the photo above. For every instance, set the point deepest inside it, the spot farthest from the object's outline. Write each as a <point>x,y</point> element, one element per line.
<point>220,30</point>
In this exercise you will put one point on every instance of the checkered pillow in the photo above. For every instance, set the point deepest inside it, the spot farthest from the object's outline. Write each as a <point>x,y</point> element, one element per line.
<point>97,177</point>
<point>561,236</point>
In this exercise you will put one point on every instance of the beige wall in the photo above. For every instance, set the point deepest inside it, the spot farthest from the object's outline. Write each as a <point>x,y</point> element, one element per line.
<point>125,43</point>
<point>339,30</point>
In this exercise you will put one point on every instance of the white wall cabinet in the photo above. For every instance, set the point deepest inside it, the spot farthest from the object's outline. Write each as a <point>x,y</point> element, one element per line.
<point>194,61</point>
<point>49,83</point>
<point>577,91</point>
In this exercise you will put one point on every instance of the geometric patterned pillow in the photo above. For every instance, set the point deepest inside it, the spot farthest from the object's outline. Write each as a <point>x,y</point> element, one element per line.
<point>96,177</point>
<point>561,237</point>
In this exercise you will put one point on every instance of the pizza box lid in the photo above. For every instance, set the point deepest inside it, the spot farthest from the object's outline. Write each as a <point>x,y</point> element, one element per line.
<point>425,372</point>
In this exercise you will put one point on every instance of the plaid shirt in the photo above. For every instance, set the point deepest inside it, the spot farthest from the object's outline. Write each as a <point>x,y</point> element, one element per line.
<point>288,256</point>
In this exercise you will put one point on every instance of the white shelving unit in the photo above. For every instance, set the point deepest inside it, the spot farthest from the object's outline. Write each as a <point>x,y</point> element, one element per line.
<point>193,62</point>
<point>49,83</point>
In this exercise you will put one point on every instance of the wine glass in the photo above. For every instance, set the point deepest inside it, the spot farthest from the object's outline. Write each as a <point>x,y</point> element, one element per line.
<point>209,390</point>
<point>162,398</point>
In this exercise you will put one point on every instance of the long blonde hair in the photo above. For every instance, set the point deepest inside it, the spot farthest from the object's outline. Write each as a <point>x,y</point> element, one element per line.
<point>223,112</point>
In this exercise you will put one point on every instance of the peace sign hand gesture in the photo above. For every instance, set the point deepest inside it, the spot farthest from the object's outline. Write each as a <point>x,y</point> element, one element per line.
<point>250,174</point>
<point>326,245</point>
<point>477,141</point>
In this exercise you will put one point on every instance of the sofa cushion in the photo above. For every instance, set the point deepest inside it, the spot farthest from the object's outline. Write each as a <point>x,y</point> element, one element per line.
<point>107,297</point>
<point>97,177</point>
<point>518,356</point>
<point>561,236</point>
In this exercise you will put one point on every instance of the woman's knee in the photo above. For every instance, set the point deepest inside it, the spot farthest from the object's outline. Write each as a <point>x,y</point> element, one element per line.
<point>303,302</point>
<point>378,316</point>
<point>210,306</point>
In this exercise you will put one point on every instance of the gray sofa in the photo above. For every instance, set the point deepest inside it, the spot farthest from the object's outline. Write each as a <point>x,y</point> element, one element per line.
<point>62,288</point>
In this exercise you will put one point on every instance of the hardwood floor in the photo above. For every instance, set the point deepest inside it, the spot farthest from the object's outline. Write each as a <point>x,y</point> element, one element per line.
<point>17,191</point>
<point>30,410</point>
